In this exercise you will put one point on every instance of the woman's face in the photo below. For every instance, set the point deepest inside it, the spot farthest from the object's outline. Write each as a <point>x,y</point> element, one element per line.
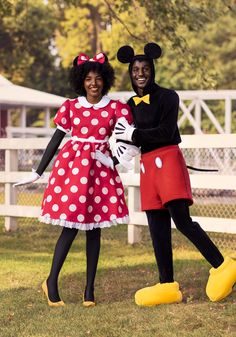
<point>93,85</point>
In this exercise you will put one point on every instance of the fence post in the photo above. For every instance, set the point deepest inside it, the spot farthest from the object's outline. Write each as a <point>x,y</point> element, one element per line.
<point>11,164</point>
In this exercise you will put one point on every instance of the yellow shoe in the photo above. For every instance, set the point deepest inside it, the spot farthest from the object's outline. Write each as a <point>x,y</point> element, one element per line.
<point>50,303</point>
<point>88,304</point>
<point>161,293</point>
<point>221,280</point>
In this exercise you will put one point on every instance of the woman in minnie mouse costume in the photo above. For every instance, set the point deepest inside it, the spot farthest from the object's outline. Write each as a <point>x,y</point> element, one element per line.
<point>82,194</point>
<point>164,183</point>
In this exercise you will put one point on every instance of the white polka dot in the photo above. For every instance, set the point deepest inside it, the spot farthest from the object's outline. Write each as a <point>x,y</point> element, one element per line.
<point>113,105</point>
<point>75,147</point>
<point>80,218</point>
<point>122,202</point>
<point>112,182</point>
<point>94,121</point>
<point>67,181</point>
<point>55,207</point>
<point>92,154</point>
<point>119,191</point>
<point>97,218</point>
<point>78,105</point>
<point>105,209</point>
<point>86,147</point>
<point>76,121</point>
<point>57,189</point>
<point>78,153</point>
<point>119,209</point>
<point>113,200</point>
<point>70,164</point>
<point>61,172</point>
<point>57,163</point>
<point>63,120</point>
<point>98,164</point>
<point>158,162</point>
<point>83,180</point>
<point>63,216</point>
<point>85,162</point>
<point>142,168</point>
<point>91,190</point>
<point>64,198</point>
<point>97,181</point>
<point>102,131</point>
<point>104,114</point>
<point>82,199</point>
<point>49,198</point>
<point>113,217</point>
<point>97,199</point>
<point>124,112</point>
<point>75,171</point>
<point>118,180</point>
<point>92,138</point>
<point>103,174</point>
<point>72,207</point>
<point>65,155</point>
<point>74,189</point>
<point>90,209</point>
<point>111,122</point>
<point>84,130</point>
<point>63,108</point>
<point>52,181</point>
<point>91,172</point>
<point>71,113</point>
<point>86,113</point>
<point>104,190</point>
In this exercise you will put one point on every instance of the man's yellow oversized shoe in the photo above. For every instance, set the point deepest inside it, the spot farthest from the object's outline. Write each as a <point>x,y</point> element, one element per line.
<point>161,293</point>
<point>221,280</point>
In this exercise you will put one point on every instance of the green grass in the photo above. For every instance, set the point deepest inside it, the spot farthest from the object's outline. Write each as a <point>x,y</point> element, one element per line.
<point>25,258</point>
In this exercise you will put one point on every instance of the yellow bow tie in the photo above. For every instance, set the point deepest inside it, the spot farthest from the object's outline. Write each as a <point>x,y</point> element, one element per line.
<point>145,99</point>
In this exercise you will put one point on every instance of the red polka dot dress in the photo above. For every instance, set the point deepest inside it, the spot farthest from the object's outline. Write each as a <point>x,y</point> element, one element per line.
<point>82,193</point>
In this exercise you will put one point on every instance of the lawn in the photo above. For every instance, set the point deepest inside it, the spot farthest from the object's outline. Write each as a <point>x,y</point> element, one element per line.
<point>25,258</point>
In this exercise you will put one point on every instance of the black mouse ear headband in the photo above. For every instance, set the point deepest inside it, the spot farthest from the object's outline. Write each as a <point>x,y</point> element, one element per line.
<point>151,50</point>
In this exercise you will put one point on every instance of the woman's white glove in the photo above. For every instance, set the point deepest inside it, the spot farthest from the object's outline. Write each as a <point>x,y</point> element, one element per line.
<point>107,161</point>
<point>123,130</point>
<point>33,177</point>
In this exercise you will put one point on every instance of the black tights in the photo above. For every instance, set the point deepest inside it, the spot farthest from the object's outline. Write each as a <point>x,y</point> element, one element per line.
<point>61,250</point>
<point>159,222</point>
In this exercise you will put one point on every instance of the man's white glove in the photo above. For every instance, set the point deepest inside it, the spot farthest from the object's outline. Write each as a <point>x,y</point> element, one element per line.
<point>123,130</point>
<point>125,153</point>
<point>107,161</point>
<point>33,177</point>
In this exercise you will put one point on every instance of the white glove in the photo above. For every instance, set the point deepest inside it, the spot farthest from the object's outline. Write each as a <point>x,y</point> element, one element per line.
<point>33,177</point>
<point>125,153</point>
<point>123,130</point>
<point>107,161</point>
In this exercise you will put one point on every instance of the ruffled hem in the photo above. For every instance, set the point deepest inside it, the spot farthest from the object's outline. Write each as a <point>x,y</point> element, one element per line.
<point>84,226</point>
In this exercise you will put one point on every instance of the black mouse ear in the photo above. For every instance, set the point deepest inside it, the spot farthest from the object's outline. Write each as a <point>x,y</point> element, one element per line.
<point>75,61</point>
<point>152,50</point>
<point>125,54</point>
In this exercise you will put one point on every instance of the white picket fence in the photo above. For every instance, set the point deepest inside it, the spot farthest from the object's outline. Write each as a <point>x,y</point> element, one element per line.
<point>10,210</point>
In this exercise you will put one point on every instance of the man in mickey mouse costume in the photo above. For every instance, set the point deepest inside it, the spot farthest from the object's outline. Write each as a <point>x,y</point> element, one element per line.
<point>164,183</point>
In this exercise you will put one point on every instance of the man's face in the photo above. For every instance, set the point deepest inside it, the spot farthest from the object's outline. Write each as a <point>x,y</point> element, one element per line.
<point>140,74</point>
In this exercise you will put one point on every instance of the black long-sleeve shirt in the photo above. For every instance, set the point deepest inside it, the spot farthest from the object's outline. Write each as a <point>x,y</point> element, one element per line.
<point>156,123</point>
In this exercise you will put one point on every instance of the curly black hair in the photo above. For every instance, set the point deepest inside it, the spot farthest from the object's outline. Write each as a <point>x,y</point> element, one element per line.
<point>78,74</point>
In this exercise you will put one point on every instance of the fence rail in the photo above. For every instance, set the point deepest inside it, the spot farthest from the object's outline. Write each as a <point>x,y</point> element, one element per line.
<point>220,147</point>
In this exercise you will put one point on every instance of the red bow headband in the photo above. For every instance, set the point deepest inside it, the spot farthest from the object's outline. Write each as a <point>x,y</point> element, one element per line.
<point>100,58</point>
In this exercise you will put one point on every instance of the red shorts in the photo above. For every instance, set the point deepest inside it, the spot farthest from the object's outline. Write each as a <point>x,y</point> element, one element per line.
<point>163,177</point>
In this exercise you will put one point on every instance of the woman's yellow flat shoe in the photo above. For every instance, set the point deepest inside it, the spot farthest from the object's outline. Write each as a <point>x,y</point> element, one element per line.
<point>88,304</point>
<point>50,303</point>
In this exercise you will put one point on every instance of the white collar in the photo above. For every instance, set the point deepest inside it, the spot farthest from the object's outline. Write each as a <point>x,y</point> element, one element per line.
<point>101,104</point>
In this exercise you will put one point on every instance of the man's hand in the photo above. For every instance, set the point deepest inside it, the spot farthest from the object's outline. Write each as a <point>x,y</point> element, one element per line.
<point>107,161</point>
<point>123,130</point>
<point>33,177</point>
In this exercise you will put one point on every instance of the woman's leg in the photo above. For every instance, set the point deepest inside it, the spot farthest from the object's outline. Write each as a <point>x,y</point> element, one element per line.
<point>159,222</point>
<point>179,211</point>
<point>93,238</point>
<point>61,250</point>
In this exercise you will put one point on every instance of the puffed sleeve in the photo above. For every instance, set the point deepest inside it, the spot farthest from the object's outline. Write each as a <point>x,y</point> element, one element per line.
<point>123,110</point>
<point>62,117</point>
